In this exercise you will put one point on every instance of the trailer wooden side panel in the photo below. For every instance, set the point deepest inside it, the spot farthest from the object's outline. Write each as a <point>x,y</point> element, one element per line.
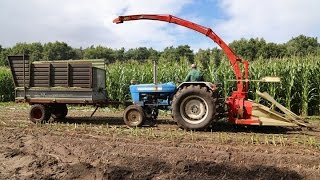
<point>69,81</point>
<point>19,66</point>
<point>61,75</point>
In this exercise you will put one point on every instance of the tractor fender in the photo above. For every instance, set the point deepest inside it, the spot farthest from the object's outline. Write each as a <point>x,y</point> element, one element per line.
<point>209,85</point>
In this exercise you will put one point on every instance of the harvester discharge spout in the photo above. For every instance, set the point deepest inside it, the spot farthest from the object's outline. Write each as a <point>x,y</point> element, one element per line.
<point>117,20</point>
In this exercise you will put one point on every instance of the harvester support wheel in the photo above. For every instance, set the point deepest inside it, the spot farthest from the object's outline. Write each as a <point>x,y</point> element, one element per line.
<point>39,113</point>
<point>134,116</point>
<point>59,111</point>
<point>193,107</point>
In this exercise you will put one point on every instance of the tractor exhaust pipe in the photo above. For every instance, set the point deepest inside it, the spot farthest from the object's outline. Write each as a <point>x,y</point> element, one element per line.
<point>155,73</point>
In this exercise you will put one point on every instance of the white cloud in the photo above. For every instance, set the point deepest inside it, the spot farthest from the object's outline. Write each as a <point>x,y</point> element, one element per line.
<point>85,23</point>
<point>274,20</point>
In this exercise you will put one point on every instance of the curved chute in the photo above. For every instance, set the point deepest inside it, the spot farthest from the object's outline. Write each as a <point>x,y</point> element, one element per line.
<point>196,27</point>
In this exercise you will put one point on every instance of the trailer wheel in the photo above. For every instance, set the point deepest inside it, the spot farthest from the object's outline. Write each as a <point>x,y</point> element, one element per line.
<point>59,111</point>
<point>193,107</point>
<point>134,116</point>
<point>39,113</point>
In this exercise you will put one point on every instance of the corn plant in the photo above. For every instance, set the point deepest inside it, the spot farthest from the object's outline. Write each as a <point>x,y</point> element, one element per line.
<point>6,85</point>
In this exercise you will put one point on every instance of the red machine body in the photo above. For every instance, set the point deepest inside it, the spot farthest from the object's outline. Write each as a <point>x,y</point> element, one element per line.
<point>239,108</point>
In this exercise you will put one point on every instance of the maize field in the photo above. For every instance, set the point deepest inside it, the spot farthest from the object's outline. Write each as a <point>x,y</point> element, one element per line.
<point>6,85</point>
<point>299,89</point>
<point>103,147</point>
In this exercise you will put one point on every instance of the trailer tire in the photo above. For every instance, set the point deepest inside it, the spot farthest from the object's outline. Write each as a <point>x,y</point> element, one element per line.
<point>193,107</point>
<point>39,113</point>
<point>59,111</point>
<point>134,116</point>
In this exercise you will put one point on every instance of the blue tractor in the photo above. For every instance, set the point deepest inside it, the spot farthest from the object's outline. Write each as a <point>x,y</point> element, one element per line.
<point>192,103</point>
<point>147,100</point>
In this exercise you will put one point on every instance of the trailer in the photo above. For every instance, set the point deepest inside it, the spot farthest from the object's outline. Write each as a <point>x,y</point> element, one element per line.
<point>49,86</point>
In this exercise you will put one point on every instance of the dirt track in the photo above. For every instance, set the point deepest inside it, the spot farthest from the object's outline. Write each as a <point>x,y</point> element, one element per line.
<point>103,148</point>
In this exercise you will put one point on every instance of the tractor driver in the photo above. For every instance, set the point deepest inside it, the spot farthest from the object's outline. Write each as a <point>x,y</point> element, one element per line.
<point>194,74</point>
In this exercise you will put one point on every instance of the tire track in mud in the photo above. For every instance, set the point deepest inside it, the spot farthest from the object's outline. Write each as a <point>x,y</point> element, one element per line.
<point>27,152</point>
<point>38,154</point>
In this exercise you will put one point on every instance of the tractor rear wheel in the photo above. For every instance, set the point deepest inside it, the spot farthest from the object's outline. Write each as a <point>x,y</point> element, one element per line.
<point>193,107</point>
<point>39,113</point>
<point>59,111</point>
<point>134,116</point>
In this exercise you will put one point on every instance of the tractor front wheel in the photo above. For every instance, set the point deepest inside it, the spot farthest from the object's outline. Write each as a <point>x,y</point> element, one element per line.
<point>134,116</point>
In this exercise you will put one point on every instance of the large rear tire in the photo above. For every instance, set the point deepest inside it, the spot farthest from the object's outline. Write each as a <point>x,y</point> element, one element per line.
<point>134,116</point>
<point>59,111</point>
<point>193,107</point>
<point>39,113</point>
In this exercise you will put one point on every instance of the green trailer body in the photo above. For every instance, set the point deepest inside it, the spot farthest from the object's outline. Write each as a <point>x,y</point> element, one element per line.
<point>50,85</point>
<point>67,81</point>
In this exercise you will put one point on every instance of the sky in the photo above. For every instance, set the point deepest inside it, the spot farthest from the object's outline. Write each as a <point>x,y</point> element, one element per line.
<point>82,23</point>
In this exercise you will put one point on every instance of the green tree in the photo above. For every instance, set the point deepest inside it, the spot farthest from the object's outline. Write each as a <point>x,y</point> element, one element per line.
<point>34,50</point>
<point>169,54</point>
<point>175,54</point>
<point>140,54</point>
<point>248,49</point>
<point>302,46</point>
<point>154,55</point>
<point>130,54</point>
<point>273,50</point>
<point>78,53</point>
<point>58,51</point>
<point>99,52</point>
<point>119,54</point>
<point>185,51</point>
<point>2,57</point>
<point>21,48</point>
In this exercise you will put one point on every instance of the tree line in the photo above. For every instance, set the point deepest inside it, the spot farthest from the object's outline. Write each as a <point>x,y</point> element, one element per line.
<point>250,49</point>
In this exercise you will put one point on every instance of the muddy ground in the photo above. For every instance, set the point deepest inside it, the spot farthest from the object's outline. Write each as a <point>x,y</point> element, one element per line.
<point>102,147</point>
